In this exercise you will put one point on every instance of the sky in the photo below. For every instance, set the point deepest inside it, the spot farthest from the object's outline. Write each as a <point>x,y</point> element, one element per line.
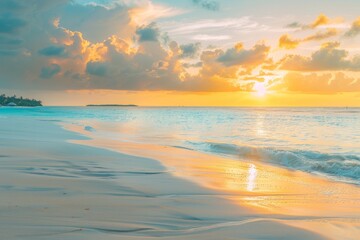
<point>182,53</point>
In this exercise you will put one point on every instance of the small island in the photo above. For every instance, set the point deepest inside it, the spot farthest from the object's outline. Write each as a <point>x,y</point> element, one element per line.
<point>14,101</point>
<point>111,105</point>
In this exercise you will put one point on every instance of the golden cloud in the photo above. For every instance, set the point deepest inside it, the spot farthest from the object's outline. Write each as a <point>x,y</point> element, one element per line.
<point>320,20</point>
<point>320,35</point>
<point>286,42</point>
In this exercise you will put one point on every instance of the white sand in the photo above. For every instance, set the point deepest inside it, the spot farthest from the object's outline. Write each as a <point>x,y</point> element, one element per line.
<point>53,189</point>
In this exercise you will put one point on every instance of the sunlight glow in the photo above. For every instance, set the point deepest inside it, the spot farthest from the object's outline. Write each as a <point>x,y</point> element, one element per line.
<point>260,89</point>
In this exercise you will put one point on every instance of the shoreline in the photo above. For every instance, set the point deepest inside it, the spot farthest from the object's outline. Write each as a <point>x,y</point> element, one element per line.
<point>53,189</point>
<point>305,200</point>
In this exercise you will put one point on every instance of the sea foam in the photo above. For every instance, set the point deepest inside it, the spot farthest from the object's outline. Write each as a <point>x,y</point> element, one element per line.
<point>342,167</point>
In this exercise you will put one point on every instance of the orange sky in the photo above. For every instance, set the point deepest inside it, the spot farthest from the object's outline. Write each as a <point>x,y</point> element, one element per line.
<point>162,98</point>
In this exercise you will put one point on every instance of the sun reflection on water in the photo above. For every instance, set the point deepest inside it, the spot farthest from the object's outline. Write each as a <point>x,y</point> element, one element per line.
<point>251,178</point>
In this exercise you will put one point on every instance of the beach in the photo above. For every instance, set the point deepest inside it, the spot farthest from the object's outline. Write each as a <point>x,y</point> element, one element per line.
<point>179,120</point>
<point>65,180</point>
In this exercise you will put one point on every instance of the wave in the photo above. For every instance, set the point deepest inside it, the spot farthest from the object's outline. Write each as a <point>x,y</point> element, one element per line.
<point>342,167</point>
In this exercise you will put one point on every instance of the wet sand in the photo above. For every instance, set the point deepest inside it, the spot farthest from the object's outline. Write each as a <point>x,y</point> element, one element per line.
<point>58,184</point>
<point>293,197</point>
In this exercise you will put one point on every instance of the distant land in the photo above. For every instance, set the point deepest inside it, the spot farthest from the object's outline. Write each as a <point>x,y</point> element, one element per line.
<point>111,105</point>
<point>14,101</point>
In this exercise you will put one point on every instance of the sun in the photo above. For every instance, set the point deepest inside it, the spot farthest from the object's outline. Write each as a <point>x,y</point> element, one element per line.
<point>260,89</point>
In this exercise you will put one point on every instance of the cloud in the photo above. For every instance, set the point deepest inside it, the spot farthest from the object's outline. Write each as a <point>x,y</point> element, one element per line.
<point>208,4</point>
<point>219,31</point>
<point>213,76</point>
<point>50,71</point>
<point>149,33</point>
<point>96,68</point>
<point>247,58</point>
<point>193,65</point>
<point>320,20</point>
<point>320,35</point>
<point>10,24</point>
<point>53,51</point>
<point>213,27</point>
<point>354,30</point>
<point>190,50</point>
<point>328,83</point>
<point>294,25</point>
<point>328,58</point>
<point>285,41</point>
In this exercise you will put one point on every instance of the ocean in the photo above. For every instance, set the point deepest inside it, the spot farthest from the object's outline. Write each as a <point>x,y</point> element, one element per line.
<point>321,141</point>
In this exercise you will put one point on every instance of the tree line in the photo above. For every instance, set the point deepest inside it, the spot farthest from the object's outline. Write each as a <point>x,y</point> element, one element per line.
<point>19,101</point>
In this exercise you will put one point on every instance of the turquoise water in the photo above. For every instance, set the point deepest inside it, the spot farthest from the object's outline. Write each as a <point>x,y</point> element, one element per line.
<point>323,141</point>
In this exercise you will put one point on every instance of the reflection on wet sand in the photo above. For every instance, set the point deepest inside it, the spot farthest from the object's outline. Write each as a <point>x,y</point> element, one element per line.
<point>251,178</point>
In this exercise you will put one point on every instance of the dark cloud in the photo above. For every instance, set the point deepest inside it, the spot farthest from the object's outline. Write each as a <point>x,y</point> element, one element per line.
<point>10,24</point>
<point>149,33</point>
<point>190,50</point>
<point>294,25</point>
<point>208,4</point>
<point>246,57</point>
<point>53,51</point>
<point>194,65</point>
<point>96,68</point>
<point>354,30</point>
<point>50,71</point>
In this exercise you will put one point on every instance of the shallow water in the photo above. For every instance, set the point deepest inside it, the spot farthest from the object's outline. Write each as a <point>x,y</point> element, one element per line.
<point>323,141</point>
